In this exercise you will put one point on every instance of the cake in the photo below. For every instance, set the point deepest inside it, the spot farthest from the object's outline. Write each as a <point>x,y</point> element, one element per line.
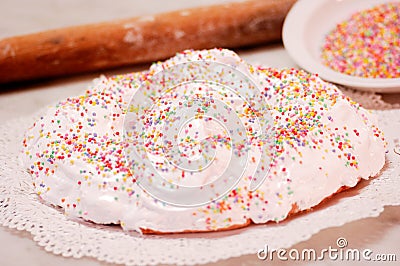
<point>304,141</point>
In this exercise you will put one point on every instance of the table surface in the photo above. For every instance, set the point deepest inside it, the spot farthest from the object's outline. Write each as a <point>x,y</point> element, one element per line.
<point>380,234</point>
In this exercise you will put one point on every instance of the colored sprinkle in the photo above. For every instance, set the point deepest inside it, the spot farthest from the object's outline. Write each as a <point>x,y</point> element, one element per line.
<point>366,45</point>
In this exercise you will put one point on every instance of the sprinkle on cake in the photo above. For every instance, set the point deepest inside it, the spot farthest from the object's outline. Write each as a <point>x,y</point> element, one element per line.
<point>323,142</point>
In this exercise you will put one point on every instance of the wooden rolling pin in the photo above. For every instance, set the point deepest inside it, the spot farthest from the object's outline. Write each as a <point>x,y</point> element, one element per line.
<point>141,39</point>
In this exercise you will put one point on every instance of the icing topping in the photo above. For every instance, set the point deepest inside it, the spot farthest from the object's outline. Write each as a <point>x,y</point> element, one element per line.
<point>322,141</point>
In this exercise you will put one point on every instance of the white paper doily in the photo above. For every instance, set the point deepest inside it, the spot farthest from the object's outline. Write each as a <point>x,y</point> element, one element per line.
<point>20,208</point>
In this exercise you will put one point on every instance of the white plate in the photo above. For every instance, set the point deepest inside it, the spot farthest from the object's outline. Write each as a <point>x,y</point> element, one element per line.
<point>304,30</point>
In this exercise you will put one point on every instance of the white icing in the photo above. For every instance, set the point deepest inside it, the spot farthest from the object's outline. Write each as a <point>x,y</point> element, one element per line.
<point>319,174</point>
